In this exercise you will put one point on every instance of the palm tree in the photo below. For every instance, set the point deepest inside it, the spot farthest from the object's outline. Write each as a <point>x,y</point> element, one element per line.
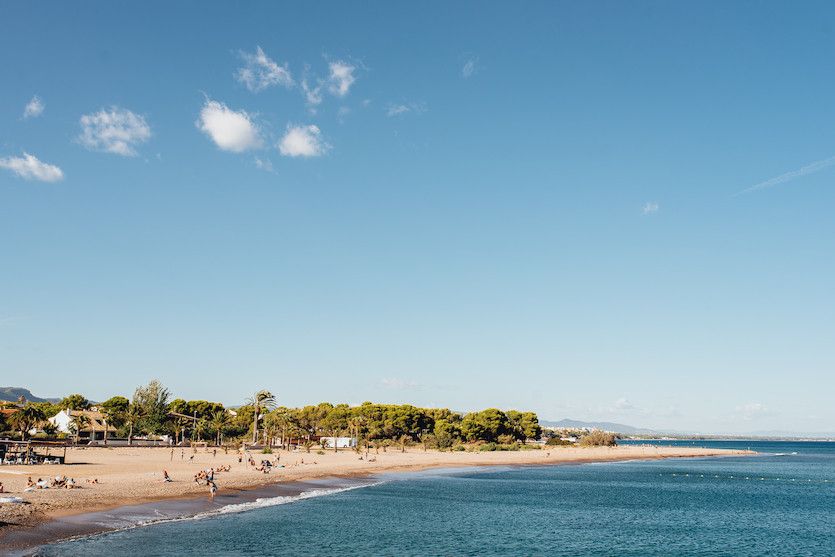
<point>219,422</point>
<point>180,424</point>
<point>201,426</point>
<point>262,400</point>
<point>30,416</point>
<point>78,424</point>
<point>132,417</point>
<point>356,425</point>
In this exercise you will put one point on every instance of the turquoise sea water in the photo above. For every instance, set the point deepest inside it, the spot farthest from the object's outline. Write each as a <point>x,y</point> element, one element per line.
<point>781,502</point>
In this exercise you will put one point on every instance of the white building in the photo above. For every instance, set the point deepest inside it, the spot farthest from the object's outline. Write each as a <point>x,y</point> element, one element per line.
<point>95,428</point>
<point>341,442</point>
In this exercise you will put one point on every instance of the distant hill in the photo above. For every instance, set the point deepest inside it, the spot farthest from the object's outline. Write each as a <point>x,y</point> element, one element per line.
<point>607,426</point>
<point>12,394</point>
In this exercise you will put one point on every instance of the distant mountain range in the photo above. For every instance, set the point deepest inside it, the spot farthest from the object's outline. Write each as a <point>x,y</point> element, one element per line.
<point>631,430</point>
<point>12,394</point>
<point>607,426</point>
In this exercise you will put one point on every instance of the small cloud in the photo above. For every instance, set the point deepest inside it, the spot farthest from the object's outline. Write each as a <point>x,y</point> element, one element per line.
<point>261,72</point>
<point>29,167</point>
<point>312,95</point>
<point>400,109</point>
<point>33,108</point>
<point>229,129</point>
<point>399,384</point>
<point>302,141</point>
<point>624,404</point>
<point>650,208</point>
<point>341,78</point>
<point>115,130</point>
<point>470,68</point>
<point>264,164</point>
<point>343,113</point>
<point>751,411</point>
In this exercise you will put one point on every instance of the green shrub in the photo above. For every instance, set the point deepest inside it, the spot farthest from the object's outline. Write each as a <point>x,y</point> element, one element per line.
<point>599,438</point>
<point>266,450</point>
<point>557,442</point>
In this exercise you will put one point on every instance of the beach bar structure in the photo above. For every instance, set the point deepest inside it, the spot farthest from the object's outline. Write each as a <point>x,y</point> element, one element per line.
<point>32,452</point>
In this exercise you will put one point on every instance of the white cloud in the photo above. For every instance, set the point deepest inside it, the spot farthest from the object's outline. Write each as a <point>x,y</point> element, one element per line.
<point>261,72</point>
<point>34,108</point>
<point>341,78</point>
<point>400,109</point>
<point>470,68</point>
<point>230,130</point>
<point>29,167</point>
<point>302,141</point>
<point>312,95</point>
<point>650,208</point>
<point>115,130</point>
<point>624,404</point>
<point>751,411</point>
<point>264,164</point>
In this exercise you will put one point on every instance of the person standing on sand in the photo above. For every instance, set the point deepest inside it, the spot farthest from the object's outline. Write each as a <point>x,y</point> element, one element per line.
<point>182,454</point>
<point>212,488</point>
<point>172,455</point>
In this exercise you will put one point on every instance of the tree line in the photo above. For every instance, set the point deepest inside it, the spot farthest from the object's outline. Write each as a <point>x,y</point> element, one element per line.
<point>153,412</point>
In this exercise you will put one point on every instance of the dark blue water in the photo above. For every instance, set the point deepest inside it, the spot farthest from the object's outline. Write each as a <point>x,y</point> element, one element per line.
<point>759,505</point>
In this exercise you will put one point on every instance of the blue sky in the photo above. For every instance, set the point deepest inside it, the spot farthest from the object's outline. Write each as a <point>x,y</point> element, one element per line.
<point>600,210</point>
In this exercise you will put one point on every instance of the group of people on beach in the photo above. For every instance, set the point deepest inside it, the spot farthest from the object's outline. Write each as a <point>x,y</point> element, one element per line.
<point>56,482</point>
<point>208,476</point>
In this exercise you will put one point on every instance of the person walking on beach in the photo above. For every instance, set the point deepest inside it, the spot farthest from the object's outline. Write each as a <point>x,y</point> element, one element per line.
<point>172,455</point>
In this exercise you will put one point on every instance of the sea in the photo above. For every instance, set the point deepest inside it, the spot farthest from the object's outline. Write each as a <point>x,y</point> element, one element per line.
<point>778,502</point>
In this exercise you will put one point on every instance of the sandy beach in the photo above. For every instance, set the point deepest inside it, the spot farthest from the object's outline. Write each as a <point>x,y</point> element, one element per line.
<point>131,475</point>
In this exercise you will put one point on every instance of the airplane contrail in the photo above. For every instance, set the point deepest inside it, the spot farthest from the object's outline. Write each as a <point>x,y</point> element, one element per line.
<point>802,171</point>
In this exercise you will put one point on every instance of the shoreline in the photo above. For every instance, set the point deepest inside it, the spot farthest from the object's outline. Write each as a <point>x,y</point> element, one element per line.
<point>54,515</point>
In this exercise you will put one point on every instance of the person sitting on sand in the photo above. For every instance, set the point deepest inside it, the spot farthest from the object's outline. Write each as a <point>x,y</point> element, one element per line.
<point>165,476</point>
<point>2,489</point>
<point>29,482</point>
<point>70,484</point>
